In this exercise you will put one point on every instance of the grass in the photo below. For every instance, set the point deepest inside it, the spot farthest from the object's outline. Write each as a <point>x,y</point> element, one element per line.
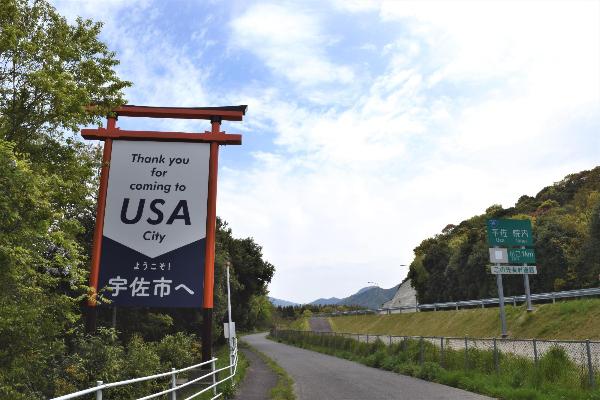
<point>300,324</point>
<point>572,319</point>
<point>284,389</point>
<point>554,377</point>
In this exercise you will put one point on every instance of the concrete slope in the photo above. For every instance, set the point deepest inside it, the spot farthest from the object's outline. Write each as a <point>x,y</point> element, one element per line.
<point>405,296</point>
<point>319,376</point>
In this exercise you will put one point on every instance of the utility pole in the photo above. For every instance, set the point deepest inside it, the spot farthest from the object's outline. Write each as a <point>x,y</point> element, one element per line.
<point>229,327</point>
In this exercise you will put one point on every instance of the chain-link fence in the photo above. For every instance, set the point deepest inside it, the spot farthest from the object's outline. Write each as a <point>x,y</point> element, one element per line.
<point>576,362</point>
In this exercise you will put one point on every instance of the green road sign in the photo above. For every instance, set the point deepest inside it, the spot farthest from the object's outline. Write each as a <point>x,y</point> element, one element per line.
<point>509,232</point>
<point>521,256</point>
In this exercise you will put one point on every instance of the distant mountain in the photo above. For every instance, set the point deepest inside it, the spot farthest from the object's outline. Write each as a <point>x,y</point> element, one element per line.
<point>281,303</point>
<point>370,297</point>
<point>325,302</point>
<point>365,289</point>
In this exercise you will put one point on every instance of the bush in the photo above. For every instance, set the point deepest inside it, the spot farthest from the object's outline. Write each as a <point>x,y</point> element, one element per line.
<point>557,368</point>
<point>178,350</point>
<point>408,369</point>
<point>430,371</point>
<point>376,359</point>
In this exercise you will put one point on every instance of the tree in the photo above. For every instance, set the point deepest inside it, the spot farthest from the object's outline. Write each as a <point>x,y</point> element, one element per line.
<point>588,268</point>
<point>50,71</point>
<point>250,276</point>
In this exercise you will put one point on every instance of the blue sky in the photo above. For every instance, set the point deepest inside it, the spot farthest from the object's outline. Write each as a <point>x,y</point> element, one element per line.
<point>371,124</point>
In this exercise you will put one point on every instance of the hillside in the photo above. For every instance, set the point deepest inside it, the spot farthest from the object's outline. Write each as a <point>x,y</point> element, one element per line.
<point>566,229</point>
<point>325,302</point>
<point>372,297</point>
<point>368,297</point>
<point>574,319</point>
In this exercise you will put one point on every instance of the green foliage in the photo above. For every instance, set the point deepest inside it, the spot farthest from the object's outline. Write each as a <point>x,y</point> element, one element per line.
<point>250,275</point>
<point>430,371</point>
<point>566,221</point>
<point>178,350</point>
<point>51,70</point>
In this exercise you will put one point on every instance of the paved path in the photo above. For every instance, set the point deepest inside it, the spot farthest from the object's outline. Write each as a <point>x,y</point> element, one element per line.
<point>319,376</point>
<point>319,324</point>
<point>259,379</point>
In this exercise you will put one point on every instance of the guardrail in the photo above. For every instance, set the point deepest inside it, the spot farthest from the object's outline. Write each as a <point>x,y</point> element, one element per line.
<point>469,303</point>
<point>101,387</point>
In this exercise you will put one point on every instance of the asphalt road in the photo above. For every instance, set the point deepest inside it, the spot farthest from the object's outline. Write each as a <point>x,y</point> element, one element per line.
<point>319,376</point>
<point>319,324</point>
<point>259,379</point>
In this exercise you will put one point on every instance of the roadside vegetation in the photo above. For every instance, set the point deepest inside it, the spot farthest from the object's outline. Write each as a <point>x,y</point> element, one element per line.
<point>506,376</point>
<point>568,319</point>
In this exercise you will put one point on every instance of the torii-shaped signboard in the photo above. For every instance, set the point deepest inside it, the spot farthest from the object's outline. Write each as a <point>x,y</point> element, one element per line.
<point>155,253</point>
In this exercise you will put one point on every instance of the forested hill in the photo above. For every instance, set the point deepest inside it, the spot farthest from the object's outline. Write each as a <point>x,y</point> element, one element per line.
<point>566,227</point>
<point>372,298</point>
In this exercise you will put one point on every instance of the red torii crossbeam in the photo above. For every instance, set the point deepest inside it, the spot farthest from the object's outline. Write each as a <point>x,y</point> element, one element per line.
<point>215,137</point>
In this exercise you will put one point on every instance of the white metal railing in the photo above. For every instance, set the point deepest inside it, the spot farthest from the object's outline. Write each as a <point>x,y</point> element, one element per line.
<point>481,302</point>
<point>232,367</point>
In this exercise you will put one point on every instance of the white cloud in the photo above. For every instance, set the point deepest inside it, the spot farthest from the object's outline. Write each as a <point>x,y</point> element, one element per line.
<point>290,41</point>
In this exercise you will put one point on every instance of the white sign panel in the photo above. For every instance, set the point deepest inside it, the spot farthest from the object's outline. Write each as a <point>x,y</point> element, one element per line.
<point>498,255</point>
<point>226,329</point>
<point>513,269</point>
<point>155,223</point>
<point>157,193</point>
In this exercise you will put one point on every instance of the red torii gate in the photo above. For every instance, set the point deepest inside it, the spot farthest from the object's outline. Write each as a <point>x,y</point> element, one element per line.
<point>215,137</point>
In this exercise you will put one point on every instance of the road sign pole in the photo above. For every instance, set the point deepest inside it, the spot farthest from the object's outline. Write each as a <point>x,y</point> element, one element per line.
<point>229,327</point>
<point>527,291</point>
<point>501,299</point>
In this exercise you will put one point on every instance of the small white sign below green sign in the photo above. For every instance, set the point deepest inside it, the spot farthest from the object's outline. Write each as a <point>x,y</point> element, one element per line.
<point>513,269</point>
